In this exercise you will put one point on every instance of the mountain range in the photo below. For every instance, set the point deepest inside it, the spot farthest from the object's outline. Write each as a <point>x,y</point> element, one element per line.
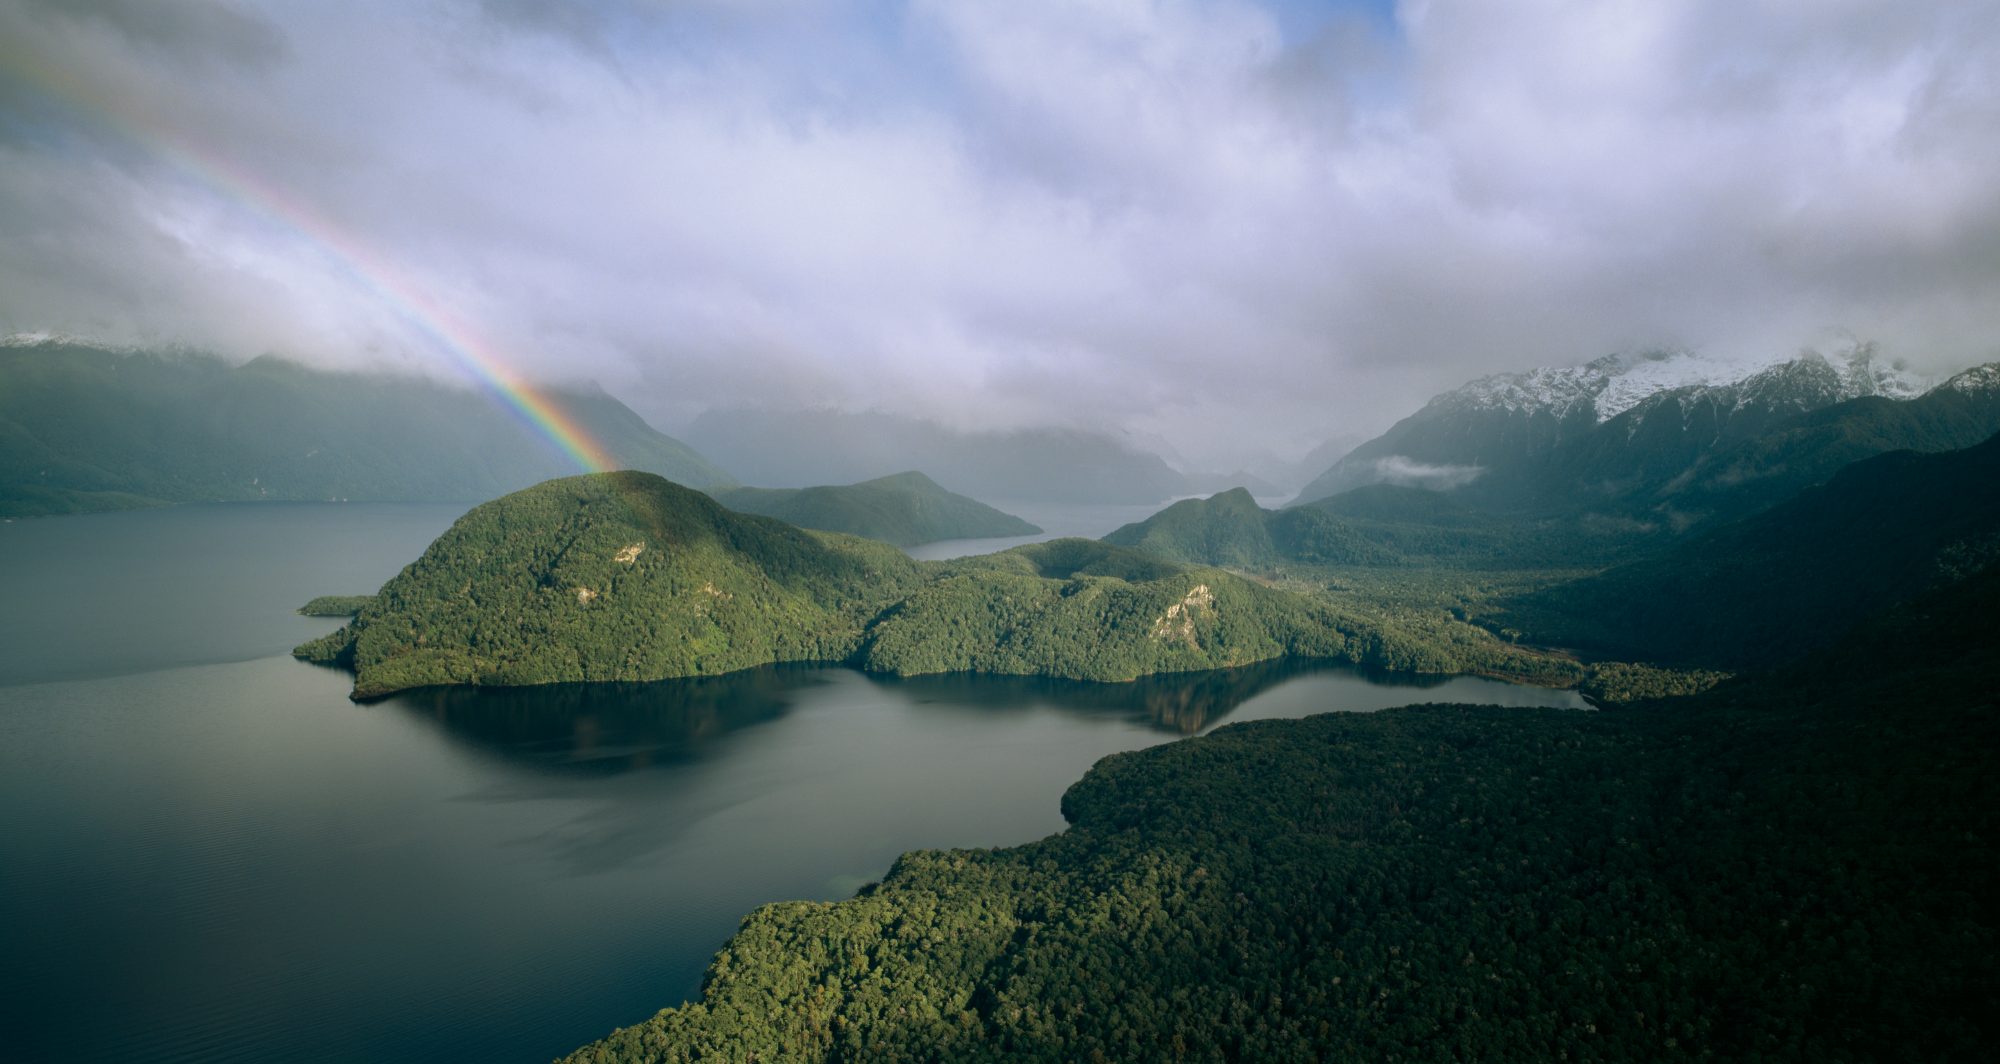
<point>84,427</point>
<point>1623,429</point>
<point>1592,467</point>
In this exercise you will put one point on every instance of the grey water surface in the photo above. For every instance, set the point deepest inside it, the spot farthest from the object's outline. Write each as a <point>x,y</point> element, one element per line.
<point>208,853</point>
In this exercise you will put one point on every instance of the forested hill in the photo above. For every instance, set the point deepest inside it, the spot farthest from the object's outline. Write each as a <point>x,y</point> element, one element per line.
<point>1381,525</point>
<point>1230,529</point>
<point>905,509</point>
<point>1786,869</point>
<point>629,577</point>
<point>1770,587</point>
<point>84,428</point>
<point>614,576</point>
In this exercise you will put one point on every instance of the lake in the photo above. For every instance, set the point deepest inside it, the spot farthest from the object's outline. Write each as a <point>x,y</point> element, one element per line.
<point>208,853</point>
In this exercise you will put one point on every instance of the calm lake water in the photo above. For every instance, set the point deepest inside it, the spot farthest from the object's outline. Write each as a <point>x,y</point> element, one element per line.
<point>208,853</point>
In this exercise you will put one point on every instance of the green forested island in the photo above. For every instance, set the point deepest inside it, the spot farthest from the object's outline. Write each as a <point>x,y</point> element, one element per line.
<point>906,509</point>
<point>1795,868</point>
<point>626,576</point>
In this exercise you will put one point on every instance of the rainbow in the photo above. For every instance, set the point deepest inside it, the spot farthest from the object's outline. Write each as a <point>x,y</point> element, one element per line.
<point>479,359</point>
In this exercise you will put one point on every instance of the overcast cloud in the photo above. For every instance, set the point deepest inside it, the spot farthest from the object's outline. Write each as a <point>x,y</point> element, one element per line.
<point>1230,225</point>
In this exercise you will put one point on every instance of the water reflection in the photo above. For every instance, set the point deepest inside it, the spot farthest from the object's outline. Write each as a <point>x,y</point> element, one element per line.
<point>603,728</point>
<point>608,728</point>
<point>1183,703</point>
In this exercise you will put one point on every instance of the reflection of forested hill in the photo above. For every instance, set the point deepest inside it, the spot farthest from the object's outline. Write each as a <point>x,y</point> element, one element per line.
<point>1181,702</point>
<point>606,727</point>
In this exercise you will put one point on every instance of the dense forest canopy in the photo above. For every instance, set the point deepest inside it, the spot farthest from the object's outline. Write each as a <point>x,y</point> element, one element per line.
<point>1781,869</point>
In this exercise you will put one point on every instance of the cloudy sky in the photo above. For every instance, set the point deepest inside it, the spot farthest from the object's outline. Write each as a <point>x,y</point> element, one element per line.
<point>1233,225</point>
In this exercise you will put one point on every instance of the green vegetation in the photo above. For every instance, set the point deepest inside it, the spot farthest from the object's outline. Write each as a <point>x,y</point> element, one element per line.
<point>1084,610</point>
<point>629,577</point>
<point>906,509</point>
<point>1231,530</point>
<point>1377,526</point>
<point>83,428</point>
<point>1811,447</point>
<point>614,576</point>
<point>1793,868</point>
<point>1771,587</point>
<point>335,605</point>
<point>1614,682</point>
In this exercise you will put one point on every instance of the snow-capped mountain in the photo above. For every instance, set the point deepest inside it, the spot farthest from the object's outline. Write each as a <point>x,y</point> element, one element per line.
<point>1609,386</point>
<point>53,339</point>
<point>1608,425</point>
<point>1978,380</point>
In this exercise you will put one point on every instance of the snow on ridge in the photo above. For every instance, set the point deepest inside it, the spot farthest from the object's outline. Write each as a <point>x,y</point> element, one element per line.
<point>45,337</point>
<point>1984,378</point>
<point>1618,382</point>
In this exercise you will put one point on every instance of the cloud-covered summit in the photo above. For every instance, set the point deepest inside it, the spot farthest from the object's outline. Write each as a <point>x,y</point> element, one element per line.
<point>1233,225</point>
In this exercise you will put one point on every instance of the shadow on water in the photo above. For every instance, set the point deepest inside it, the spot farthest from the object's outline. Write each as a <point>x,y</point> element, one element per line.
<point>607,728</point>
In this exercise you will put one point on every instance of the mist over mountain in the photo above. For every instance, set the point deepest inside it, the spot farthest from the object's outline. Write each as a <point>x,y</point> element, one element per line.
<point>783,449</point>
<point>84,428</point>
<point>1676,436</point>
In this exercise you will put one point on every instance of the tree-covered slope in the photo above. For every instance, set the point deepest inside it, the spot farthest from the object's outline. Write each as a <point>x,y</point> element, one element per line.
<point>629,577</point>
<point>1791,869</point>
<point>1752,473</point>
<point>1770,587</point>
<point>614,576</point>
<point>1231,529</point>
<point>1376,525</point>
<point>1081,609</point>
<point>82,428</point>
<point>906,509</point>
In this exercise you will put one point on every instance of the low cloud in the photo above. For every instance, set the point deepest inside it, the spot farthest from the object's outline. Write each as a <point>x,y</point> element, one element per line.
<point>1410,473</point>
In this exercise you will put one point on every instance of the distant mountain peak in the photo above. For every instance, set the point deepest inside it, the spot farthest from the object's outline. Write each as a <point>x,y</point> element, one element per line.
<point>1664,408</point>
<point>1610,385</point>
<point>42,337</point>
<point>1978,379</point>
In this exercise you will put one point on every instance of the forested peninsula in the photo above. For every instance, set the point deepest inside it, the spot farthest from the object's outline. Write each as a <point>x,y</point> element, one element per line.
<point>1793,868</point>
